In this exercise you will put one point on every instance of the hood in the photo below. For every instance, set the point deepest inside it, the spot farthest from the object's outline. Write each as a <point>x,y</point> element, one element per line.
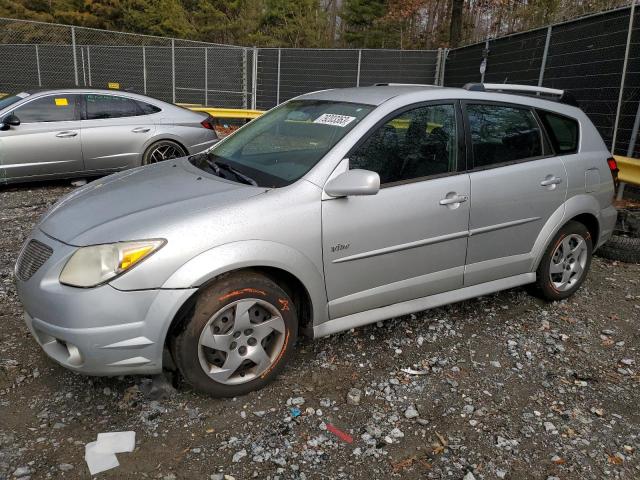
<point>120,205</point>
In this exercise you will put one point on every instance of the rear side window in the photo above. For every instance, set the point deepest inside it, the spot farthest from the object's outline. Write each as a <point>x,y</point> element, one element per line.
<point>501,134</point>
<point>563,132</point>
<point>54,108</point>
<point>110,106</point>
<point>147,108</point>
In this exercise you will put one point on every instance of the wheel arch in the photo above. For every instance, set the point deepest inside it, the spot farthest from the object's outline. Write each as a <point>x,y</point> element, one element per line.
<point>581,208</point>
<point>161,138</point>
<point>291,269</point>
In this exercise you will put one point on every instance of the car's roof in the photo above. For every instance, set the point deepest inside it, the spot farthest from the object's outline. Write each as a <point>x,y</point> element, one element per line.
<point>47,91</point>
<point>378,94</point>
<point>374,95</point>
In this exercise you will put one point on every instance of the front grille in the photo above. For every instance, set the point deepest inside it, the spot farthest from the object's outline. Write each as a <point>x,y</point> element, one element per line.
<point>32,258</point>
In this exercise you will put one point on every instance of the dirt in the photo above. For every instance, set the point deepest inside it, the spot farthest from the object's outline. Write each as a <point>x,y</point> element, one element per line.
<point>504,386</point>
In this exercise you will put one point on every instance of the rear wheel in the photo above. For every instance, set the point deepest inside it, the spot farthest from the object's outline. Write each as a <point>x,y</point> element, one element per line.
<point>566,262</point>
<point>162,150</point>
<point>240,336</point>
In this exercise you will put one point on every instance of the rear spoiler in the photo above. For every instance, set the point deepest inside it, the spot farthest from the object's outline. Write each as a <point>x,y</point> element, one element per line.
<point>553,94</point>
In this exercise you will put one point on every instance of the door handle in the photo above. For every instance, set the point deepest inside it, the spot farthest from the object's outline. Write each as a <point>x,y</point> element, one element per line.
<point>66,134</point>
<point>454,199</point>
<point>140,130</point>
<point>550,181</point>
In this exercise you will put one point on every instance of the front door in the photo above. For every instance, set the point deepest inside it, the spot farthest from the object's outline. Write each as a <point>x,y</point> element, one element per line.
<point>47,141</point>
<point>410,239</point>
<point>517,184</point>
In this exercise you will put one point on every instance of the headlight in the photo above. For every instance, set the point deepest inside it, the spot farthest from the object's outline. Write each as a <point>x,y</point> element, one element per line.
<point>91,266</point>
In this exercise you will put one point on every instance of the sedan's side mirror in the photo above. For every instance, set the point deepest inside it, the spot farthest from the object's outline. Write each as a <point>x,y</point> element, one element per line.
<point>9,121</point>
<point>353,182</point>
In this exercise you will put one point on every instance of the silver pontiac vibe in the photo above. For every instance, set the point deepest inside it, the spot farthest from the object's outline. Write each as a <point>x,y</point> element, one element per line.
<point>334,210</point>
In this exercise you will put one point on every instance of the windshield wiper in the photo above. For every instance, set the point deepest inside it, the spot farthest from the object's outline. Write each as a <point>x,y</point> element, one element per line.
<point>217,166</point>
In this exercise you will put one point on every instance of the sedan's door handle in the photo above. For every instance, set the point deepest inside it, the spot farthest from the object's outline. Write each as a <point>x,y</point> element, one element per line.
<point>66,134</point>
<point>550,181</point>
<point>454,199</point>
<point>140,130</point>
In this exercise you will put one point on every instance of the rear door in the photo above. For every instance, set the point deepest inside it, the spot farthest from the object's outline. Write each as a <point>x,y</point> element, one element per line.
<point>47,141</point>
<point>516,183</point>
<point>410,239</point>
<point>115,131</point>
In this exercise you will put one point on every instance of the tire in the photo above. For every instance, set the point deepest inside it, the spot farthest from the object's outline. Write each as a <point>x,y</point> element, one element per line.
<point>240,336</point>
<point>621,248</point>
<point>565,263</point>
<point>162,150</point>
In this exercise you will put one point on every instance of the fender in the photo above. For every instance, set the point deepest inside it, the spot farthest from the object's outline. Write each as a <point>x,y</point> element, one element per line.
<point>573,207</point>
<point>254,253</point>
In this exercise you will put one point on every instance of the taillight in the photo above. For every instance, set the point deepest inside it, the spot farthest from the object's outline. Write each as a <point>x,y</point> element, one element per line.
<point>206,123</point>
<point>613,167</point>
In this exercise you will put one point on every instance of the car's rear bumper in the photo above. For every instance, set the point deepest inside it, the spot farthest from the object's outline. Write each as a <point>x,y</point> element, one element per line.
<point>608,217</point>
<point>101,330</point>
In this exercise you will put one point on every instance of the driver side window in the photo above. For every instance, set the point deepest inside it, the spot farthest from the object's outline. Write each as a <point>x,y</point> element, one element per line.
<point>418,143</point>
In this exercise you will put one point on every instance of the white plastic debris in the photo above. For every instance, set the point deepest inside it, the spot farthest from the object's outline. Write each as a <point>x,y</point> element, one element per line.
<point>100,455</point>
<point>411,371</point>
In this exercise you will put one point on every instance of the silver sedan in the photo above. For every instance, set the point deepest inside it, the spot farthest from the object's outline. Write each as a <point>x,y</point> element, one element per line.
<point>84,132</point>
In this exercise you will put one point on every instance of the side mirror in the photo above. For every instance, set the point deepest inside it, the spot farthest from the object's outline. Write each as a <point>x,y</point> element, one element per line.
<point>10,121</point>
<point>353,182</point>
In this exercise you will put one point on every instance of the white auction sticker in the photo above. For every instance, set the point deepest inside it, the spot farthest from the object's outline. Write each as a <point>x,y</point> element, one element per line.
<point>334,119</point>
<point>22,95</point>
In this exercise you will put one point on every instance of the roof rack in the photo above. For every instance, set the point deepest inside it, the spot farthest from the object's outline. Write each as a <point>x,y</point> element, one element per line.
<point>554,94</point>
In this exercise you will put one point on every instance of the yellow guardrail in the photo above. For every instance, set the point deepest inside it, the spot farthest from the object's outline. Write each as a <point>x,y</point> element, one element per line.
<point>228,112</point>
<point>629,169</point>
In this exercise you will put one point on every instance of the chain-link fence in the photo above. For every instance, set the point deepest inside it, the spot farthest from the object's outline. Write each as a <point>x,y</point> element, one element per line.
<point>586,56</point>
<point>42,55</point>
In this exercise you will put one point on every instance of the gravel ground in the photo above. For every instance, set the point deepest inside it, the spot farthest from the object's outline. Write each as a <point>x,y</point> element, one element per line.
<point>504,386</point>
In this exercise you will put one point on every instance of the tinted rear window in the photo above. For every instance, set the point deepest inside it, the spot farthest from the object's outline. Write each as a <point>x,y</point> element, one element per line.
<point>563,131</point>
<point>110,106</point>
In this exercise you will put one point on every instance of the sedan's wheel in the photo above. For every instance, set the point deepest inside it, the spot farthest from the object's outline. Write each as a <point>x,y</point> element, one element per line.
<point>162,150</point>
<point>565,263</point>
<point>240,335</point>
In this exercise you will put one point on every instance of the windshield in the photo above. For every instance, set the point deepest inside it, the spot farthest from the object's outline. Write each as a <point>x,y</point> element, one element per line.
<point>279,147</point>
<point>6,101</point>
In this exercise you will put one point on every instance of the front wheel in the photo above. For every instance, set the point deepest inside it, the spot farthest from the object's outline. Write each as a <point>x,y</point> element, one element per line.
<point>566,262</point>
<point>240,336</point>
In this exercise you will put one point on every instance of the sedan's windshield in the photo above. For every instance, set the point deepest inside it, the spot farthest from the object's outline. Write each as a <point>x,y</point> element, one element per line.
<point>281,146</point>
<point>10,100</point>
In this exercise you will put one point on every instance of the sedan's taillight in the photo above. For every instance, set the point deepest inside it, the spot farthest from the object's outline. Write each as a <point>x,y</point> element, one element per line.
<point>206,123</point>
<point>613,167</point>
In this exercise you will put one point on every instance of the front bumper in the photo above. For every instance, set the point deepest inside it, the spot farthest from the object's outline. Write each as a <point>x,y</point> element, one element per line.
<point>101,330</point>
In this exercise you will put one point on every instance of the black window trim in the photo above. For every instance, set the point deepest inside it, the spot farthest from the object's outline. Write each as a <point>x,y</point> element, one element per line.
<point>85,115</point>
<point>77,110</point>
<point>547,149</point>
<point>548,134</point>
<point>460,154</point>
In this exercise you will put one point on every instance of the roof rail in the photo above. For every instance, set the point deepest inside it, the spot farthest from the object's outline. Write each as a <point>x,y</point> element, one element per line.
<point>404,85</point>
<point>561,96</point>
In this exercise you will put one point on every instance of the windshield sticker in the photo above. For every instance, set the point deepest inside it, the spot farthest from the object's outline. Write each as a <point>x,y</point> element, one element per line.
<point>22,95</point>
<point>334,119</point>
<point>61,102</point>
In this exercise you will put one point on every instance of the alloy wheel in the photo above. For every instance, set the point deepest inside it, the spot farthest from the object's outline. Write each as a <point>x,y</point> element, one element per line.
<point>241,341</point>
<point>568,262</point>
<point>164,151</point>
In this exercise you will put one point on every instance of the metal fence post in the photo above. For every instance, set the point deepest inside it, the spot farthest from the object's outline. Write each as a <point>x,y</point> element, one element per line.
<point>359,65</point>
<point>89,65</point>
<point>543,64</point>
<point>278,85</point>
<point>244,78</point>
<point>144,69</point>
<point>624,74</point>
<point>485,60</point>
<point>445,56</point>
<point>75,58</point>
<point>254,79</point>
<point>206,76</point>
<point>38,66</point>
<point>436,77</point>
<point>173,69</point>
<point>84,73</point>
